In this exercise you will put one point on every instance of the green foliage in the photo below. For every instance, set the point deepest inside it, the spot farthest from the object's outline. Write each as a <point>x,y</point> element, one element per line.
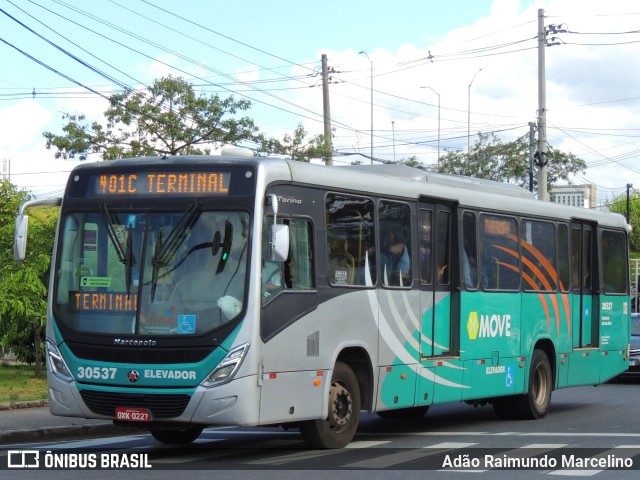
<point>412,161</point>
<point>19,383</point>
<point>619,205</point>
<point>296,146</point>
<point>167,119</point>
<point>508,162</point>
<point>23,304</point>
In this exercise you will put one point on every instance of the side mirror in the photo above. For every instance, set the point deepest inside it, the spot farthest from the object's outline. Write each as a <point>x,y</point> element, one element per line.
<point>20,237</point>
<point>279,235</point>
<point>279,242</point>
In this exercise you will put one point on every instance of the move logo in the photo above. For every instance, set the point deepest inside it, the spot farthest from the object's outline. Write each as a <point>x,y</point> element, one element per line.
<point>486,326</point>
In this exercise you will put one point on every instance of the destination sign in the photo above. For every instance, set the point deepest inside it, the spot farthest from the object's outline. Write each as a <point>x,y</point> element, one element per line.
<point>160,184</point>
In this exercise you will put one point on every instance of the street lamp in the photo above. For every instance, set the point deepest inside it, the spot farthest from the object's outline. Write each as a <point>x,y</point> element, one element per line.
<point>362,52</point>
<point>469,111</point>
<point>438,122</point>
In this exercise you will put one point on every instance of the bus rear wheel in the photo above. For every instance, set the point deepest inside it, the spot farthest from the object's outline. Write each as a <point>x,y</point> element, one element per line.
<point>535,403</point>
<point>339,428</point>
<point>176,436</point>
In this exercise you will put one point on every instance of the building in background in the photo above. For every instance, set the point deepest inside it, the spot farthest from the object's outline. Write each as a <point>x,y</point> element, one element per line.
<point>584,196</point>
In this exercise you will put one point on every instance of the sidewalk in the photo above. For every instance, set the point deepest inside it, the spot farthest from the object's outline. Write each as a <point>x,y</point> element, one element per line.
<point>29,422</point>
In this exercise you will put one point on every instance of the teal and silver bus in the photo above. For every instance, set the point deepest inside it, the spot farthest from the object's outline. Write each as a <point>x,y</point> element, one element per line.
<point>197,291</point>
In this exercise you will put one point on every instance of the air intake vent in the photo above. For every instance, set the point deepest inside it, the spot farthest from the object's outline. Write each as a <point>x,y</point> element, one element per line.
<point>313,345</point>
<point>161,406</point>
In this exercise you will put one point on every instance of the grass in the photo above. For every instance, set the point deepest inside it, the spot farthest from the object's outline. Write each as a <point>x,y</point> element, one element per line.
<point>18,383</point>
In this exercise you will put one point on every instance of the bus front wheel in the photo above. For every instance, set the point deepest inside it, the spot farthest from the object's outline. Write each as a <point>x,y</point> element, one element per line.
<point>535,403</point>
<point>339,428</point>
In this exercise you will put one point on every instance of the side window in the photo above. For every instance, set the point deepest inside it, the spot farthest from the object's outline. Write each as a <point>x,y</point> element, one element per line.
<point>443,246</point>
<point>499,265</point>
<point>470,251</point>
<point>575,258</point>
<point>614,262</point>
<point>296,272</point>
<point>350,240</point>
<point>587,260</point>
<point>538,256</point>
<point>563,257</point>
<point>424,249</point>
<point>395,244</point>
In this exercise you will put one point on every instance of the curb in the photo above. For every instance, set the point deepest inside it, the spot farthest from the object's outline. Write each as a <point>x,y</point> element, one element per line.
<point>49,434</point>
<point>25,404</point>
<point>71,432</point>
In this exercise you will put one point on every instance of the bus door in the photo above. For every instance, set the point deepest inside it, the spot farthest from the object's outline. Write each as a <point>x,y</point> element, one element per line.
<point>438,377</point>
<point>434,230</point>
<point>584,317</point>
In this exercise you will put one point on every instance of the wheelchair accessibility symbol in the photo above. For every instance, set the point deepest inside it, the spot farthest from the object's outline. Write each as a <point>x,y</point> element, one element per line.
<point>186,324</point>
<point>509,377</point>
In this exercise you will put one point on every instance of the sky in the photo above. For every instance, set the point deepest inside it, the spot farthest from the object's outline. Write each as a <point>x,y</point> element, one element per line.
<point>431,76</point>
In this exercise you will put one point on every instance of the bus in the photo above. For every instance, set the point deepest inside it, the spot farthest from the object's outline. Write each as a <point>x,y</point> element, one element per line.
<point>198,291</point>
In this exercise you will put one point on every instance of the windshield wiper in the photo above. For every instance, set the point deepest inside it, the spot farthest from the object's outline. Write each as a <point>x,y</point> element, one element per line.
<point>154,263</point>
<point>129,259</point>
<point>165,250</point>
<point>113,236</point>
<point>125,253</point>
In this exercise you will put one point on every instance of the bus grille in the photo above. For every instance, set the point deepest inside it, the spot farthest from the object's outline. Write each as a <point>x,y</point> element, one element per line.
<point>161,406</point>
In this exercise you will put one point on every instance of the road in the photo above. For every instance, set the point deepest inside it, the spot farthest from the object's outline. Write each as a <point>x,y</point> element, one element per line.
<point>585,423</point>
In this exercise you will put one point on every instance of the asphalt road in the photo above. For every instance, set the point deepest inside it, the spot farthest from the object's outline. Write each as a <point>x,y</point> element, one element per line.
<point>590,422</point>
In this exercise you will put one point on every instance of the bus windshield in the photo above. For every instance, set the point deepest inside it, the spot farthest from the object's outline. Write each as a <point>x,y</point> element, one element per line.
<point>151,273</point>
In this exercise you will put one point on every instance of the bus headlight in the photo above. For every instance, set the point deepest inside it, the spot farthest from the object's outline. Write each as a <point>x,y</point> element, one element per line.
<point>227,368</point>
<point>57,365</point>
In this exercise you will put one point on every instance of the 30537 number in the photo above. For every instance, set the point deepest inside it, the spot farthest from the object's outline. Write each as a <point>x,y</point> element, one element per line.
<point>96,373</point>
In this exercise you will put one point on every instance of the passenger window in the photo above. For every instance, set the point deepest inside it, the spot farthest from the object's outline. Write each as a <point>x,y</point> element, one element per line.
<point>470,251</point>
<point>350,240</point>
<point>395,244</point>
<point>614,262</point>
<point>499,265</point>
<point>563,257</point>
<point>538,256</point>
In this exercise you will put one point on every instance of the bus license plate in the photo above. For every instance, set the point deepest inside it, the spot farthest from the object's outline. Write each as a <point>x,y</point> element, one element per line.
<point>128,414</point>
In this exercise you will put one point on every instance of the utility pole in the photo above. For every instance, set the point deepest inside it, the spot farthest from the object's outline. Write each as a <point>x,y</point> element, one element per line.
<point>628,202</point>
<point>327,113</point>
<point>532,150</point>
<point>541,154</point>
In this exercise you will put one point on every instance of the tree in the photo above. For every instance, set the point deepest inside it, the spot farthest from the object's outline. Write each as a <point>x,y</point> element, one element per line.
<point>619,205</point>
<point>296,146</point>
<point>168,119</point>
<point>508,162</point>
<point>412,161</point>
<point>23,303</point>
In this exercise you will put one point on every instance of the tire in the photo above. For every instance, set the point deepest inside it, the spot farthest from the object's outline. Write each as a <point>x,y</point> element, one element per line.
<point>535,403</point>
<point>176,436</point>
<point>341,424</point>
<point>413,412</point>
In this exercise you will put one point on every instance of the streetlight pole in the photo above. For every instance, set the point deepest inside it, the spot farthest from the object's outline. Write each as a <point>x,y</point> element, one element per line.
<point>362,52</point>
<point>438,122</point>
<point>393,129</point>
<point>469,113</point>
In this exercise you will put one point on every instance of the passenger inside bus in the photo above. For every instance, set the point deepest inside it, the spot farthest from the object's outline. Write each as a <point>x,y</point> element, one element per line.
<point>396,264</point>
